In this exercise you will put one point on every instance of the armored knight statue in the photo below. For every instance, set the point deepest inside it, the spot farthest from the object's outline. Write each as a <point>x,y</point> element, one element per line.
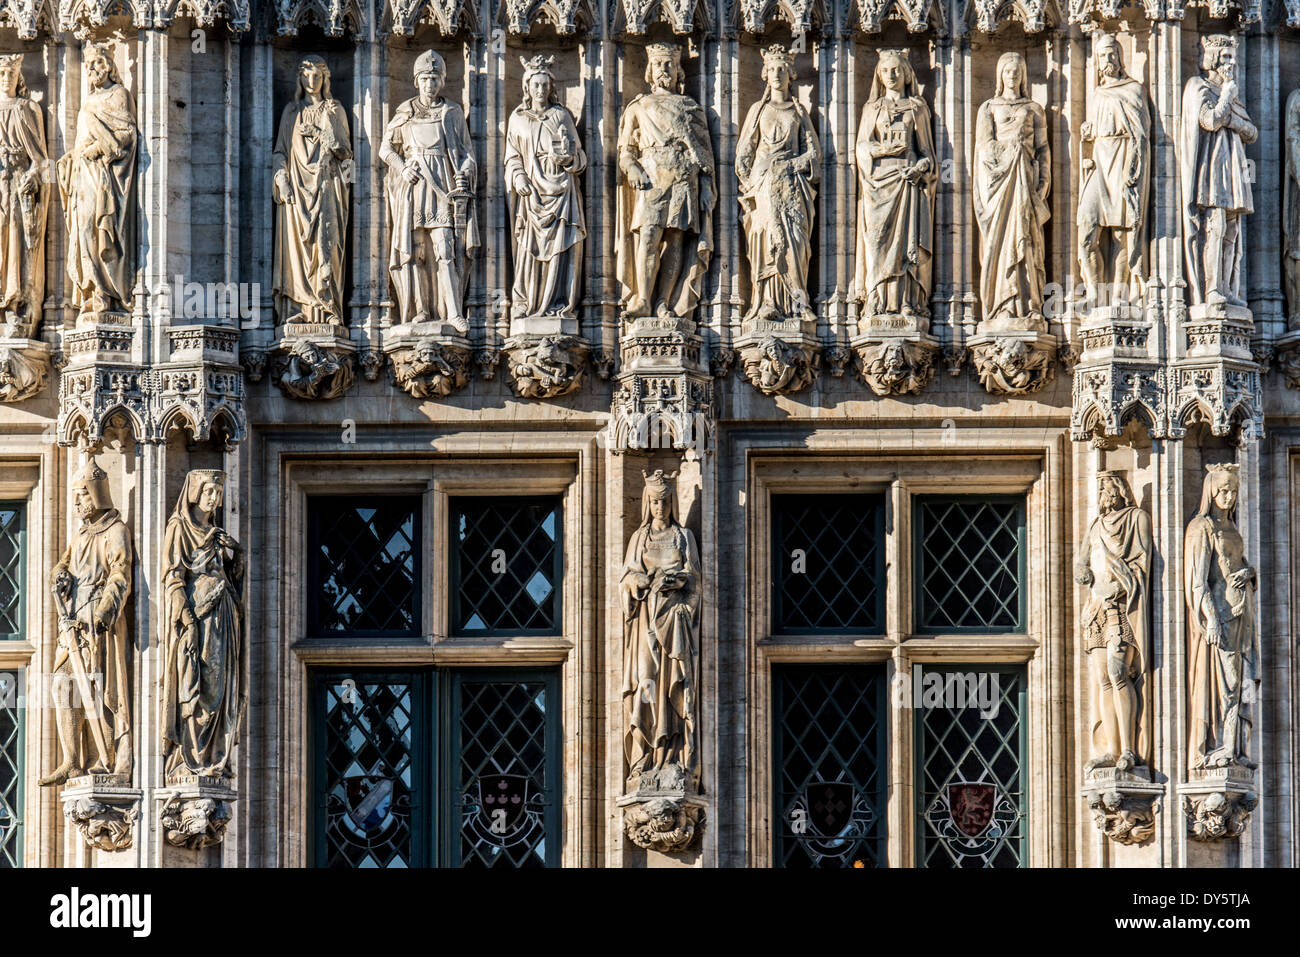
<point>1223,645</point>
<point>24,201</point>
<point>1116,180</point>
<point>666,198</point>
<point>1013,175</point>
<point>897,177</point>
<point>778,162</point>
<point>90,684</point>
<point>1291,209</point>
<point>313,156</point>
<point>431,180</point>
<point>1114,564</point>
<point>1215,176</point>
<point>660,594</point>
<point>97,184</point>
<point>543,161</point>
<point>203,633</point>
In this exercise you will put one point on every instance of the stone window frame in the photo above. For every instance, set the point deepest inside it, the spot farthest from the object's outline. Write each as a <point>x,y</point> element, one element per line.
<point>463,470</point>
<point>904,464</point>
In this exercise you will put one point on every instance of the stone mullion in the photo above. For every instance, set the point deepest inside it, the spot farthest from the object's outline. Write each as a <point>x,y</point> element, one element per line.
<point>232,168</point>
<point>1168,644</point>
<point>943,306</point>
<point>369,256</point>
<point>153,183</point>
<point>1166,254</point>
<point>594,129</point>
<point>1265,103</point>
<point>257,152</point>
<point>721,102</point>
<point>960,115</point>
<point>493,225</point>
<point>716,747</point>
<point>836,57</point>
<point>1252,850</point>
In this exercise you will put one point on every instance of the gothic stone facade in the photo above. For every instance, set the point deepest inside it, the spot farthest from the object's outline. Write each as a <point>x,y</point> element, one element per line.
<point>580,432</point>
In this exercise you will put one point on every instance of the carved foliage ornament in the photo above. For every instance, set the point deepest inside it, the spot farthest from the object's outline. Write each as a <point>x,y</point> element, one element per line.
<point>335,17</point>
<point>683,16</point>
<point>919,15</point>
<point>567,16</point>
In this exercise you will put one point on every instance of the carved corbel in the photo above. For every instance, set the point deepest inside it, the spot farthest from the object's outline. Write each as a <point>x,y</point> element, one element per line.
<point>897,365</point>
<point>779,367</point>
<point>24,368</point>
<point>546,366</point>
<point>431,367</point>
<point>104,809</point>
<point>315,367</point>
<point>1218,815</point>
<point>1014,363</point>
<point>194,822</point>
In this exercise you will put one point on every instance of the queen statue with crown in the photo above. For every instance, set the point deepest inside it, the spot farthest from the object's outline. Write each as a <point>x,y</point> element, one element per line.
<point>203,636</point>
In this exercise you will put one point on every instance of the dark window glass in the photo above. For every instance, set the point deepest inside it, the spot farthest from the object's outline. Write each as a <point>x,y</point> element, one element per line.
<point>506,756</point>
<point>970,747</point>
<point>970,558</point>
<point>364,566</point>
<point>507,566</point>
<point>830,766</point>
<point>11,772</point>
<point>13,530</point>
<point>369,770</point>
<point>828,563</point>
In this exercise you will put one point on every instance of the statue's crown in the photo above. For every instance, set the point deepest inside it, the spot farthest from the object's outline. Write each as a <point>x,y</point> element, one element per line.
<point>778,54</point>
<point>1219,41</point>
<point>670,50</point>
<point>538,64</point>
<point>899,53</point>
<point>658,481</point>
<point>1223,468</point>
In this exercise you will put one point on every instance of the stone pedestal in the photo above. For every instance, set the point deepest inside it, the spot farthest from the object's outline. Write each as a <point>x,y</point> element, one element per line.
<point>104,808</point>
<point>779,356</point>
<point>665,394</point>
<point>1013,363</point>
<point>430,359</point>
<point>662,812</point>
<point>1218,802</point>
<point>195,811</point>
<point>1124,804</point>
<point>314,360</point>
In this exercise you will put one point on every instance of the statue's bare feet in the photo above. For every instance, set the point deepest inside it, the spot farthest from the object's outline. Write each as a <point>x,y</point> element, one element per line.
<point>636,307</point>
<point>664,312</point>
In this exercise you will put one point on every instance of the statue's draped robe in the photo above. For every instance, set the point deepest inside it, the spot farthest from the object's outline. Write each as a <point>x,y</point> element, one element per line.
<point>99,559</point>
<point>1114,194</point>
<point>1291,188</point>
<point>1214,175</point>
<point>778,203</point>
<point>203,687</point>
<point>22,237</point>
<point>895,245</point>
<point>311,232</point>
<point>1012,175</point>
<point>668,135</point>
<point>1218,677</point>
<point>1117,550</point>
<point>99,198</point>
<point>661,655</point>
<point>548,225</point>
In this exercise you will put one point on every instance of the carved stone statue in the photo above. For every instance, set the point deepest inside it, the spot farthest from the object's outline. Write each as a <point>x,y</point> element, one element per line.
<point>660,595</point>
<point>308,371</point>
<point>1013,176</point>
<point>666,199</point>
<point>431,370</point>
<point>898,172</point>
<point>1223,646</point>
<point>92,665</point>
<point>778,162</point>
<point>1215,176</point>
<point>777,367</point>
<point>203,633</point>
<point>97,184</point>
<point>543,160</point>
<point>1117,179</point>
<point>431,180</point>
<point>313,155</point>
<point>1114,564</point>
<point>24,200</point>
<point>1291,208</point>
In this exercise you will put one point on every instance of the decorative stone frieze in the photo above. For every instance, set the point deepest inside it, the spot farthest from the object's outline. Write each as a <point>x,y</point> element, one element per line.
<point>1034,16</point>
<point>801,16</point>
<point>918,15</point>
<point>683,17</point>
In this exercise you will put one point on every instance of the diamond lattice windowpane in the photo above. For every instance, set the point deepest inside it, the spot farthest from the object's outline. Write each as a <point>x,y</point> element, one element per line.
<point>829,771</point>
<point>506,557</point>
<point>972,802</point>
<point>11,772</point>
<point>828,555</point>
<point>12,568</point>
<point>370,780</point>
<point>364,566</point>
<point>505,780</point>
<point>971,558</point>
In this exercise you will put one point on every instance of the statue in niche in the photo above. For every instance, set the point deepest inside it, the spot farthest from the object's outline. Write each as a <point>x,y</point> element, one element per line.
<point>1215,176</point>
<point>543,160</point>
<point>92,664</point>
<point>203,633</point>
<point>431,180</point>
<point>898,173</point>
<point>313,157</point>
<point>1223,646</point>
<point>1291,209</point>
<point>25,200</point>
<point>666,200</point>
<point>97,184</point>
<point>660,594</point>
<point>778,162</point>
<point>1013,176</point>
<point>1114,564</point>
<point>1117,179</point>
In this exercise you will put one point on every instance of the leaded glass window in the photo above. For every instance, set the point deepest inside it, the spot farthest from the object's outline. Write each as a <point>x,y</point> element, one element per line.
<point>507,773</point>
<point>11,772</point>
<point>369,770</point>
<point>507,566</point>
<point>970,555</point>
<point>970,747</point>
<point>830,770</point>
<point>828,555</point>
<point>13,531</point>
<point>363,566</point>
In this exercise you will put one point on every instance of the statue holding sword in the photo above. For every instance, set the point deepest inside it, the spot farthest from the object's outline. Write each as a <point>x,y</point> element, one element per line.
<point>91,585</point>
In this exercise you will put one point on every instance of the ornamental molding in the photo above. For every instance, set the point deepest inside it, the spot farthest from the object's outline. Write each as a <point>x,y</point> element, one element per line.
<point>919,15</point>
<point>684,17</point>
<point>569,17</point>
<point>28,17</point>
<point>1035,16</point>
<point>1107,396</point>
<point>205,13</point>
<point>758,16</point>
<point>449,16</point>
<point>335,17</point>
